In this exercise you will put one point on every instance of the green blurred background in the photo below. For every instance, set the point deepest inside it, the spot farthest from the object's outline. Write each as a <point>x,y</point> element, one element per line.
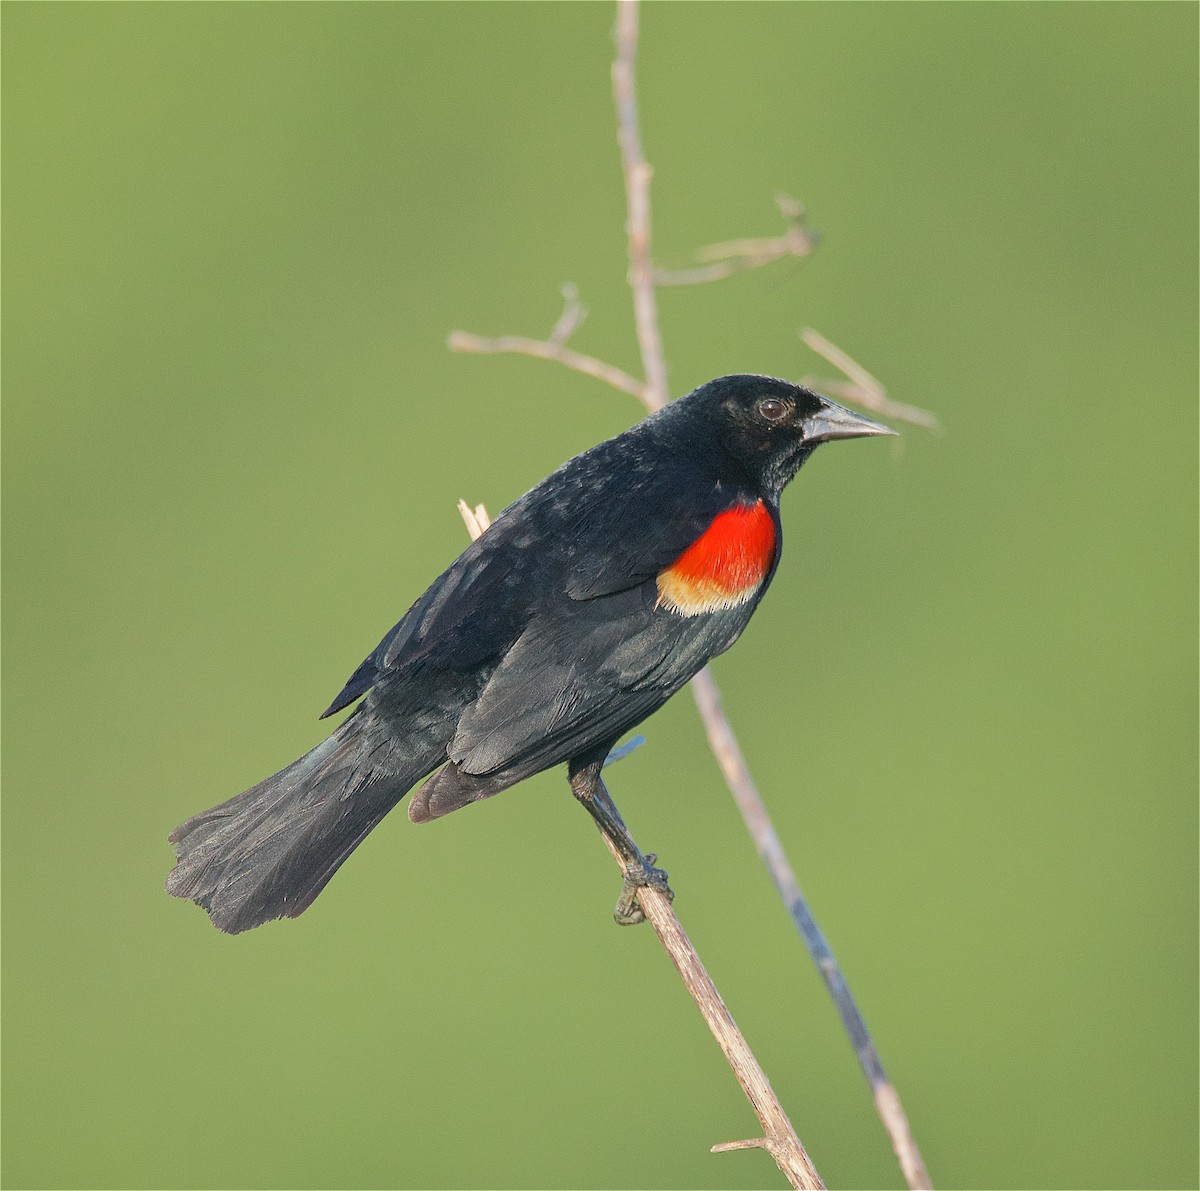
<point>237,236</point>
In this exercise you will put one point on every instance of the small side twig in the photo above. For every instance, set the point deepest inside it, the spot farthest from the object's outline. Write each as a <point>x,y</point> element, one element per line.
<point>464,341</point>
<point>739,256</point>
<point>779,1137</point>
<point>860,386</point>
<point>574,312</point>
<point>555,348</point>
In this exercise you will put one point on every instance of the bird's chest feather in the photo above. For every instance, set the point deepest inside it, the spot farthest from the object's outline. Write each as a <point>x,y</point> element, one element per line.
<point>724,567</point>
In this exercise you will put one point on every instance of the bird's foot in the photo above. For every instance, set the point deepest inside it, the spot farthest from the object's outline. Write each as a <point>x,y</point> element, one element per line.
<point>644,876</point>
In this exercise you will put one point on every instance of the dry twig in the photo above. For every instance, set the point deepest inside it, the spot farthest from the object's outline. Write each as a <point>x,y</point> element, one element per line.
<point>779,1137</point>
<point>464,341</point>
<point>637,173</point>
<point>738,256</point>
<point>861,388</point>
<point>555,348</point>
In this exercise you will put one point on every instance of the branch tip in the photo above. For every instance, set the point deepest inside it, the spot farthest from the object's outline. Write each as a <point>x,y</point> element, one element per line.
<point>861,387</point>
<point>476,519</point>
<point>549,349</point>
<point>574,312</point>
<point>737,256</point>
<point>750,1143</point>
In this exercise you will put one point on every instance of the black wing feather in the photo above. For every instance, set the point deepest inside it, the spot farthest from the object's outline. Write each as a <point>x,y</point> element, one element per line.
<point>570,685</point>
<point>601,527</point>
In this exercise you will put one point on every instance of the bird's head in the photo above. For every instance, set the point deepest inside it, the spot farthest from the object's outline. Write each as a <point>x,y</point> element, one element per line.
<point>766,427</point>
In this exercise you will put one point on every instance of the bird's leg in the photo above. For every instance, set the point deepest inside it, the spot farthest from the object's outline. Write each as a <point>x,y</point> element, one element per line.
<point>639,870</point>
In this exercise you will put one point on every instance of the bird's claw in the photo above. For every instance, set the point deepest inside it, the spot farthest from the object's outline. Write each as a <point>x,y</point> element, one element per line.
<point>629,911</point>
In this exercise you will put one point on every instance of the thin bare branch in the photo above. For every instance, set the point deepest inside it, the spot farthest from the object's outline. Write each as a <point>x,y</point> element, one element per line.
<point>720,731</point>
<point>749,1143</point>
<point>637,173</point>
<point>739,256</point>
<point>719,270</point>
<point>729,755</point>
<point>863,388</point>
<point>895,1121</point>
<point>779,1139</point>
<point>464,341</point>
<point>555,348</point>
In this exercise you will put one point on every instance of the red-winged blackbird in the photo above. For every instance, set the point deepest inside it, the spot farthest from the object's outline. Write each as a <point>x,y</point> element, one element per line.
<point>588,603</point>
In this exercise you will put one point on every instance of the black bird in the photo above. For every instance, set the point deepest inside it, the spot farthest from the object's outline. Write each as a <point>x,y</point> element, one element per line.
<point>588,603</point>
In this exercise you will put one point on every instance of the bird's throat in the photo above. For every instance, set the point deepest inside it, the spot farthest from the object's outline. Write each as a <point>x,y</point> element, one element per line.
<point>724,567</point>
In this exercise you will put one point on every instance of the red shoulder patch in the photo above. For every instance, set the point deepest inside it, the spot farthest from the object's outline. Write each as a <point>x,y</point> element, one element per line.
<point>724,566</point>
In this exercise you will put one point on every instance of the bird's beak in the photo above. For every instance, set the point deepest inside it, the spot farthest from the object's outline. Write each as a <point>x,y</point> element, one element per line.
<point>836,421</point>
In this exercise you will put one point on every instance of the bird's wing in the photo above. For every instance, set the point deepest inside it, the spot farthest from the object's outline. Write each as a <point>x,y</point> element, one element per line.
<point>572,683</point>
<point>468,613</point>
<point>603,524</point>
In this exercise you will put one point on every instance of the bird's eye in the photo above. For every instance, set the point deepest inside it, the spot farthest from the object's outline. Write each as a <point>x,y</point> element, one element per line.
<point>773,409</point>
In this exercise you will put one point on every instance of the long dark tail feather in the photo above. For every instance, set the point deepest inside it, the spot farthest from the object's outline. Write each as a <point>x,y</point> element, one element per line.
<point>268,852</point>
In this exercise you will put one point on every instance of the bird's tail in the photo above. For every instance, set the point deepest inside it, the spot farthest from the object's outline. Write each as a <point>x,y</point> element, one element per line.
<point>268,852</point>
